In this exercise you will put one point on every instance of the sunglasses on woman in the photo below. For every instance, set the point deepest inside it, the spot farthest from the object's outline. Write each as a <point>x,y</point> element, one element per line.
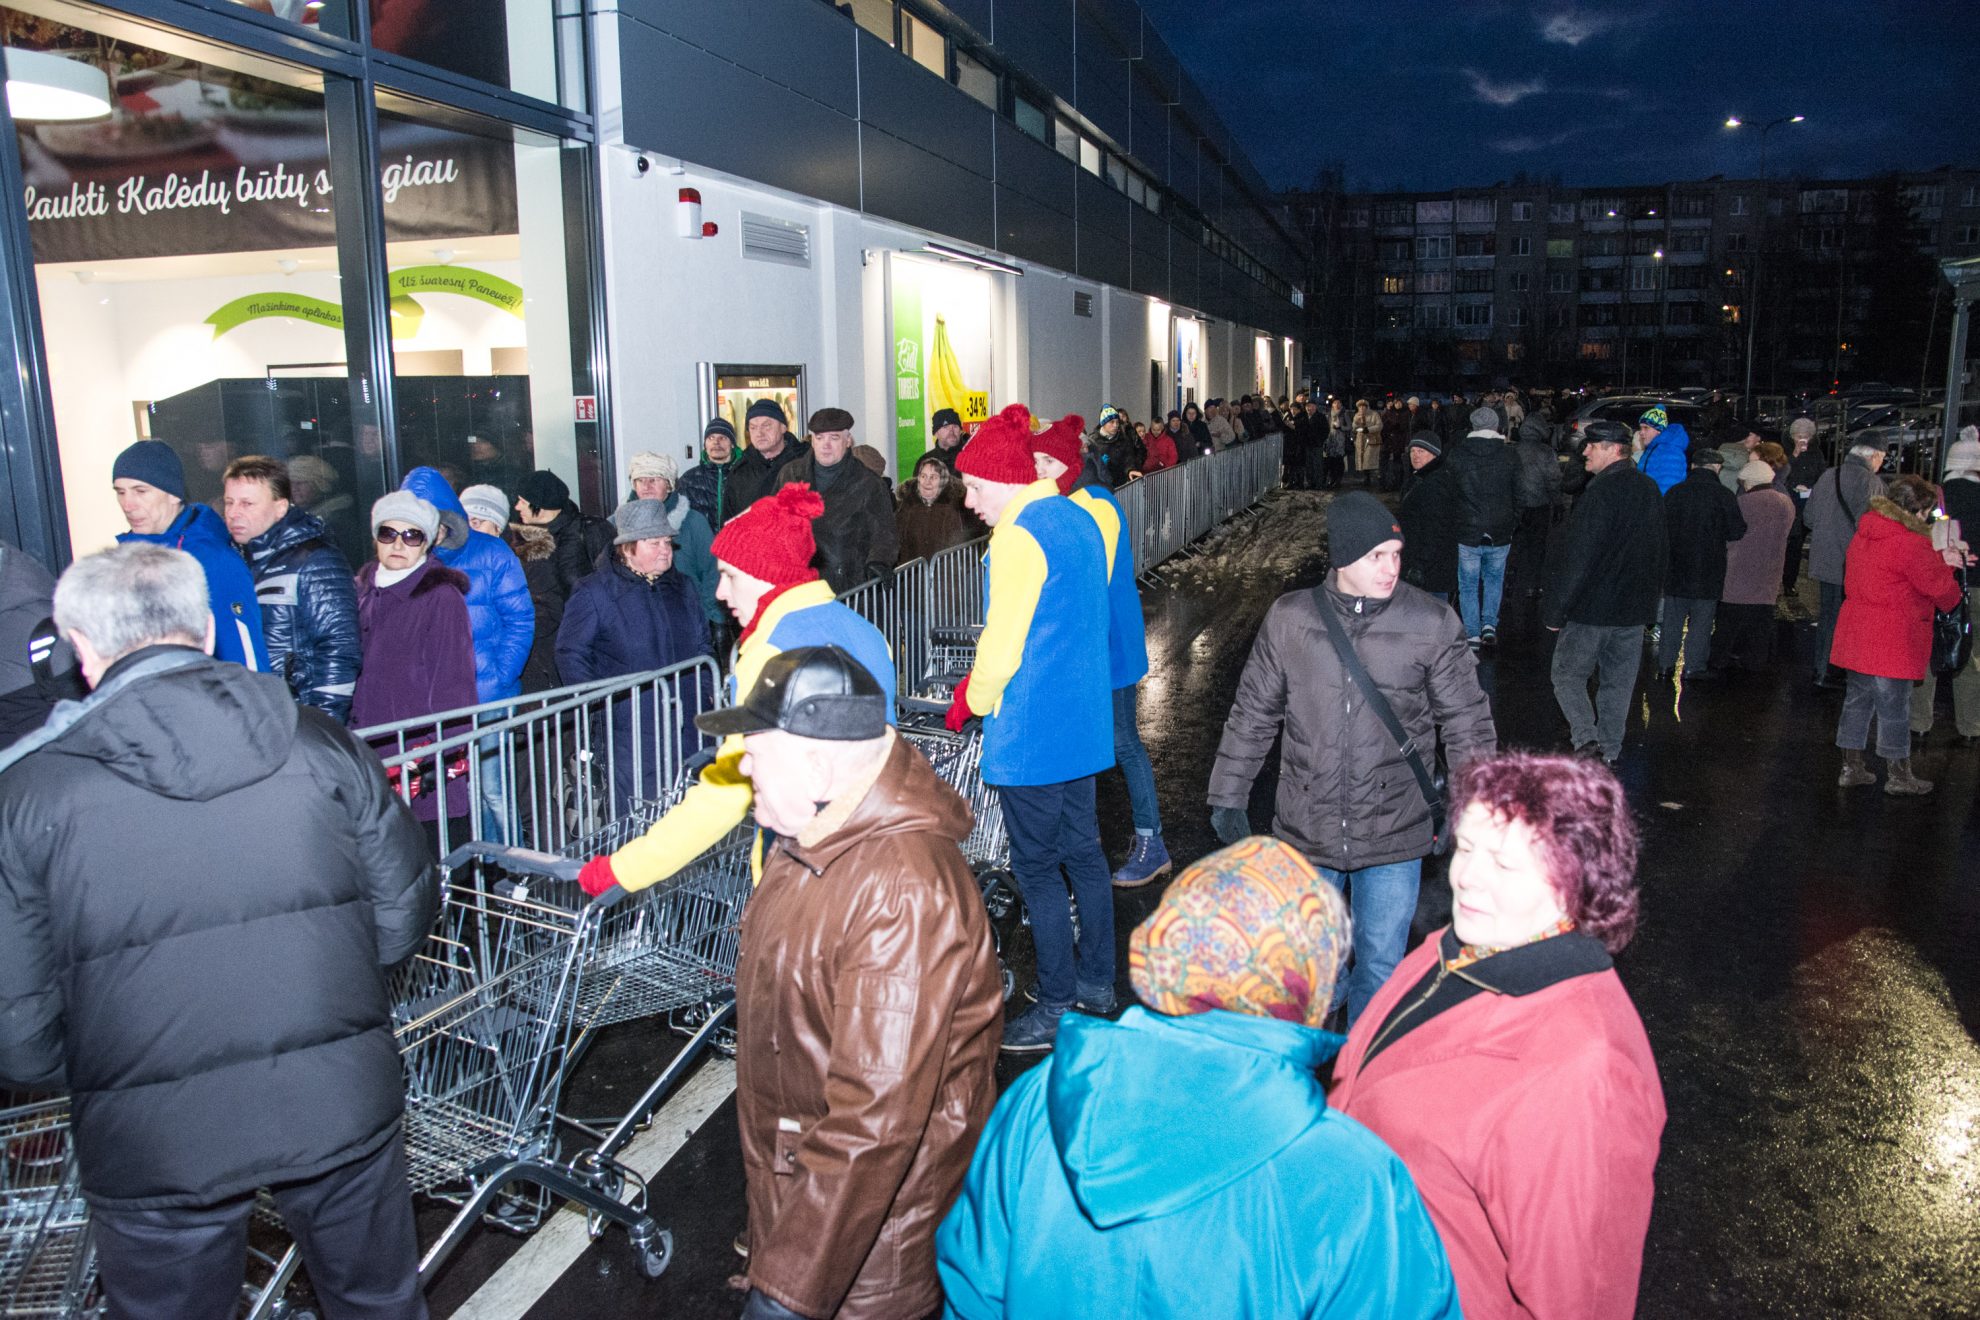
<point>411,537</point>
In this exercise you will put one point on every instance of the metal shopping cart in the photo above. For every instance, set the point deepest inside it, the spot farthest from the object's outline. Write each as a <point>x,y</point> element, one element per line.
<point>951,652</point>
<point>47,1266</point>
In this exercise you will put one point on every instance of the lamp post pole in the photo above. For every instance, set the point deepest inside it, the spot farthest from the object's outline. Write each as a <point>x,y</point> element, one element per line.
<point>1753,283</point>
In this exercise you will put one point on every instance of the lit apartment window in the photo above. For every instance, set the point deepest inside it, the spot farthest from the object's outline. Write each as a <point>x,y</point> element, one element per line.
<point>1089,155</point>
<point>1560,247</point>
<point>977,79</point>
<point>876,16</point>
<point>924,45</point>
<point>1395,284</point>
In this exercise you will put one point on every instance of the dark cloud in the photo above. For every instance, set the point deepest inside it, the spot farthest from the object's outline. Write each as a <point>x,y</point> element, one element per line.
<point>1443,93</point>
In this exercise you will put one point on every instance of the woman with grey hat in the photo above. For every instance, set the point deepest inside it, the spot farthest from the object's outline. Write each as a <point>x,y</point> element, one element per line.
<point>637,612</point>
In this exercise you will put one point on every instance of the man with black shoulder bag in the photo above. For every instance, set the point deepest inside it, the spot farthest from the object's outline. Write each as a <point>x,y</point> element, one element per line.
<point>1363,673</point>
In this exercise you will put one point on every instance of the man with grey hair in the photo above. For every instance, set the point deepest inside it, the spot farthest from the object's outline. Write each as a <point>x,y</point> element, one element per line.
<point>1837,500</point>
<point>202,888</point>
<point>1804,468</point>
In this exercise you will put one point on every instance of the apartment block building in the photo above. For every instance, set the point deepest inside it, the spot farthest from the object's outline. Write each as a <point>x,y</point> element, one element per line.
<point>1647,285</point>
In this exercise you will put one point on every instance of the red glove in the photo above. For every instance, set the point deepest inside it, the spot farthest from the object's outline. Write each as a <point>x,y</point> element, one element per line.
<point>959,711</point>
<point>597,877</point>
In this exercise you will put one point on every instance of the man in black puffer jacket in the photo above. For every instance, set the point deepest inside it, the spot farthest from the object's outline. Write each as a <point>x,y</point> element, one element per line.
<point>1539,493</point>
<point>302,582</point>
<point>543,500</point>
<point>202,887</point>
<point>1488,512</point>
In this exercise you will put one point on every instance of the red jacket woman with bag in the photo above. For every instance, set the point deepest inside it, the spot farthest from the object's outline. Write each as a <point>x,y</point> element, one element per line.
<point>1892,582</point>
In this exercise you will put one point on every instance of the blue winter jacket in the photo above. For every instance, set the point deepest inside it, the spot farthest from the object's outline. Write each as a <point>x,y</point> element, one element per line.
<point>1666,459</point>
<point>694,553</point>
<point>1187,1167</point>
<point>199,532</point>
<point>309,611</point>
<point>499,608</point>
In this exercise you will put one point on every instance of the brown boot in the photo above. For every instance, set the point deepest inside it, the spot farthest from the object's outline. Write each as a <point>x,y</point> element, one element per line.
<point>1854,773</point>
<point>1902,783</point>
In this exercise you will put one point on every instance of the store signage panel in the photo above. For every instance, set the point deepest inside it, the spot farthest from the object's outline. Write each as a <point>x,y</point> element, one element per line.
<point>940,329</point>
<point>230,188</point>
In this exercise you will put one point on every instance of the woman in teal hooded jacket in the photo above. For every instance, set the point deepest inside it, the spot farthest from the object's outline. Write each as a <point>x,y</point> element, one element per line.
<point>1183,1161</point>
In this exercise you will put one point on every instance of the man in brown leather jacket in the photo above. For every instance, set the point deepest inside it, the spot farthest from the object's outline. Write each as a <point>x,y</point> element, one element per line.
<point>869,1005</point>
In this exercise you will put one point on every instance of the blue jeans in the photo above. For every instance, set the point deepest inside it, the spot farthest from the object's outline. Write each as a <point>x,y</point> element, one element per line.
<point>1481,565</point>
<point>1132,758</point>
<point>1054,826</point>
<point>1382,901</point>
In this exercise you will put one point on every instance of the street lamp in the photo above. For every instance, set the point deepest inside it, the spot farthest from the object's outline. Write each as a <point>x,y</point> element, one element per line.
<point>1753,284</point>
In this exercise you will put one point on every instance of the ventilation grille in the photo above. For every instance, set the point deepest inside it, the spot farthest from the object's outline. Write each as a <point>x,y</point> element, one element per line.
<point>782,241</point>
<point>1082,304</point>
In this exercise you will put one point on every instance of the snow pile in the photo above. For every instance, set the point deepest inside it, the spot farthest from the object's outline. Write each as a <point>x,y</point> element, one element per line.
<point>1282,538</point>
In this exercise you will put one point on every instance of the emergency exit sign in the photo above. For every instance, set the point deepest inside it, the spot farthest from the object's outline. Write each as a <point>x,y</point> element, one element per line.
<point>587,407</point>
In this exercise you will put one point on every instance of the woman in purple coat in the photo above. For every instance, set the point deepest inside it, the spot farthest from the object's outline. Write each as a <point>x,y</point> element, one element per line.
<point>418,655</point>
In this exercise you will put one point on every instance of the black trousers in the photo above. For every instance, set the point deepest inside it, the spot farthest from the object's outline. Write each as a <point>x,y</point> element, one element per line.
<point>1744,637</point>
<point>354,1225</point>
<point>1529,546</point>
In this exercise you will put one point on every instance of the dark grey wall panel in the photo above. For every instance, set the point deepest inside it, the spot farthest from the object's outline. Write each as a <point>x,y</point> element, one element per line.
<point>1148,254</point>
<point>1185,270</point>
<point>1034,232</point>
<point>1034,169</point>
<point>975,13</point>
<point>1121,19</point>
<point>808,46</point>
<point>1185,164</point>
<point>899,97</point>
<point>1148,131</point>
<point>684,102</point>
<point>1158,62</point>
<point>1103,80</point>
<point>1102,208</point>
<point>1102,256</point>
<point>1037,37</point>
<point>919,188</point>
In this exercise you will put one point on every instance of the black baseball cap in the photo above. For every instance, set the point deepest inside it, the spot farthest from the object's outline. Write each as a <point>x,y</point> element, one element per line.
<point>811,691</point>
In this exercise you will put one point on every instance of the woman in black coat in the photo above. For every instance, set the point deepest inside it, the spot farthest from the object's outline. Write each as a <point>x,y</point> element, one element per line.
<point>636,613</point>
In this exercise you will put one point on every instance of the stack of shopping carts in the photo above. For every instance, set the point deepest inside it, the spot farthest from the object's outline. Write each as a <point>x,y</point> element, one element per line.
<point>47,1268</point>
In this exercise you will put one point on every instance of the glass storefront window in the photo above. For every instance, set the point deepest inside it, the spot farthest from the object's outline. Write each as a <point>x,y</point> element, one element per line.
<point>535,47</point>
<point>489,286</point>
<point>332,16</point>
<point>187,269</point>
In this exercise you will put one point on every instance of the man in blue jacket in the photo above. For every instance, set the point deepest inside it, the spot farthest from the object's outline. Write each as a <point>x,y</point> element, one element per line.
<point>151,490</point>
<point>499,609</point>
<point>1663,449</point>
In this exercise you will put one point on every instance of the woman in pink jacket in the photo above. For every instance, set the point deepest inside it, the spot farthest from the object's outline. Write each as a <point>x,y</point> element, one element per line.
<point>1504,1062</point>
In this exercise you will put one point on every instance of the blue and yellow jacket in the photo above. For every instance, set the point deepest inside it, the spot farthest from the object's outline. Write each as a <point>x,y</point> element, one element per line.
<point>1041,674</point>
<point>720,800</point>
<point>1127,634</point>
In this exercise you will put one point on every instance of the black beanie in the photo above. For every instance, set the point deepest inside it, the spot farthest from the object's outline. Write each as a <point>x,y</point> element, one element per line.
<point>766,407</point>
<point>1357,522</point>
<point>153,462</point>
<point>545,490</point>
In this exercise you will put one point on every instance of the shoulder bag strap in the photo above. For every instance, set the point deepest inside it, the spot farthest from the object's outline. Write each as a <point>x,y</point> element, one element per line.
<point>1839,495</point>
<point>1351,661</point>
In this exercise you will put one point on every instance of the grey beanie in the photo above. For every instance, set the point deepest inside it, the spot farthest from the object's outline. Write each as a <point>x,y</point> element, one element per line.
<point>487,503</point>
<point>1428,442</point>
<point>406,507</point>
<point>1484,419</point>
<point>641,520</point>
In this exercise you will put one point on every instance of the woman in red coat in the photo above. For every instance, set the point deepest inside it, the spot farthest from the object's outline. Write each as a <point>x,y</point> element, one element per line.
<point>1892,581</point>
<point>1504,1062</point>
<point>1161,450</point>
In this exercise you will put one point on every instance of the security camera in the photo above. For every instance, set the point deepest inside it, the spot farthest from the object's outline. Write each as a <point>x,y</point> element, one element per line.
<point>641,166</point>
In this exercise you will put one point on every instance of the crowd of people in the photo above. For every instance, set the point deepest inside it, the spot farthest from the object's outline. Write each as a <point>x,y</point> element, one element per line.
<point>1482,1138</point>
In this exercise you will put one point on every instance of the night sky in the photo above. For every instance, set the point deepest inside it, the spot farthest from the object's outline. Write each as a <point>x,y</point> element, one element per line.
<point>1449,93</point>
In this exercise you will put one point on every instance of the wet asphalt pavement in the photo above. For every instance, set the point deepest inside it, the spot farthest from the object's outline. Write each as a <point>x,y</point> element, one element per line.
<point>1805,969</point>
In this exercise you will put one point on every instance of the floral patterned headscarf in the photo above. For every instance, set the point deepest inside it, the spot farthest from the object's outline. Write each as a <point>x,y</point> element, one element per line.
<point>1252,929</point>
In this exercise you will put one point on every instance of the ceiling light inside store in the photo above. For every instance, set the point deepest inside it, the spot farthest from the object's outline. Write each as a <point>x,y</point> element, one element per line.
<point>41,86</point>
<point>287,265</point>
<point>444,256</point>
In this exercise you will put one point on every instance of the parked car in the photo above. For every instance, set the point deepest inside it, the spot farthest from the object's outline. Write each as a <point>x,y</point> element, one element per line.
<point>1626,408</point>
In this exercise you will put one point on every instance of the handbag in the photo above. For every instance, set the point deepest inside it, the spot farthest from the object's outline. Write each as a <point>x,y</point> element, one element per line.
<point>1432,790</point>
<point>1952,633</point>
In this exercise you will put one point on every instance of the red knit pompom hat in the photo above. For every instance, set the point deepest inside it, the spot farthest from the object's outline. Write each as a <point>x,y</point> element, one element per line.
<point>771,539</point>
<point>1001,449</point>
<point>1065,441</point>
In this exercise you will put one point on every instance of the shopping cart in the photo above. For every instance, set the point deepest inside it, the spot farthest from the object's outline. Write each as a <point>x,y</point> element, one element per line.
<point>490,1016</point>
<point>47,1267</point>
<point>672,946</point>
<point>951,652</point>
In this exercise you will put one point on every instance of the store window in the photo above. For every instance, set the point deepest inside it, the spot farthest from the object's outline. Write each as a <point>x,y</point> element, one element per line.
<point>491,360</point>
<point>876,16</point>
<point>977,79</point>
<point>332,16</point>
<point>530,46</point>
<point>1089,155</point>
<point>1031,119</point>
<point>188,280</point>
